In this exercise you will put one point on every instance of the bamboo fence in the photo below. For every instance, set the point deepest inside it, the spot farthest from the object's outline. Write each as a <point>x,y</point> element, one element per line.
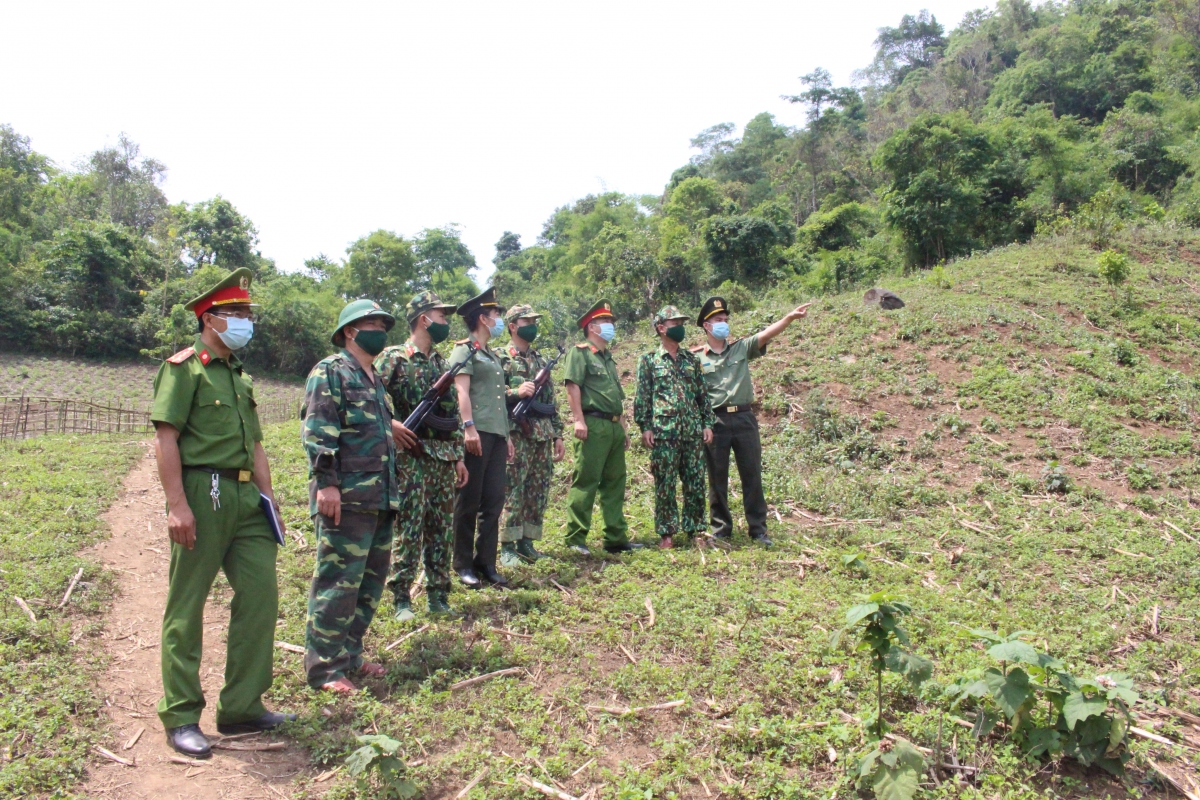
<point>24,417</point>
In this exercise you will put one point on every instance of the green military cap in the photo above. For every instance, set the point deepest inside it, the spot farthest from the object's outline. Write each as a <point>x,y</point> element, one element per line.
<point>668,314</point>
<point>713,305</point>
<point>485,299</point>
<point>233,289</point>
<point>521,312</point>
<point>603,308</point>
<point>425,301</point>
<point>353,312</point>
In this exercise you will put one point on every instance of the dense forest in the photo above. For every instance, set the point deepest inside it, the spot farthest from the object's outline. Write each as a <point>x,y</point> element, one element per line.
<point>1022,120</point>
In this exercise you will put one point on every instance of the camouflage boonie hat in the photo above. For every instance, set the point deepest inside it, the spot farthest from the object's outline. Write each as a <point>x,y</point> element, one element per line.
<point>517,312</point>
<point>667,314</point>
<point>425,301</point>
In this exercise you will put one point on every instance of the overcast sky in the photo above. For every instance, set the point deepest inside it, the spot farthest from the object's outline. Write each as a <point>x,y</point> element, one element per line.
<point>322,122</point>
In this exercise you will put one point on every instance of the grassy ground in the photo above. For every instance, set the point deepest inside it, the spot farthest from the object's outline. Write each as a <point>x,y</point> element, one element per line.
<point>52,492</point>
<point>923,440</point>
<point>126,382</point>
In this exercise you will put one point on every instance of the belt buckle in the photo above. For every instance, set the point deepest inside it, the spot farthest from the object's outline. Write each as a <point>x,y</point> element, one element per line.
<point>244,475</point>
<point>731,409</point>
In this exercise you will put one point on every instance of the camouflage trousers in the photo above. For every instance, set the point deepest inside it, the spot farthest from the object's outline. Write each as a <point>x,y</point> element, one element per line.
<point>672,461</point>
<point>529,477</point>
<point>352,565</point>
<point>424,523</point>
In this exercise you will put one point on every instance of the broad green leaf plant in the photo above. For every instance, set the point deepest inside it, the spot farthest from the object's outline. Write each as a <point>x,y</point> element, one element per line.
<point>379,770</point>
<point>1049,712</point>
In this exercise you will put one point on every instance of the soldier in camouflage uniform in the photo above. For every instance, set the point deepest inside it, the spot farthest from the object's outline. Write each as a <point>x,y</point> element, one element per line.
<point>429,473</point>
<point>347,434</point>
<point>672,410</point>
<point>536,447</point>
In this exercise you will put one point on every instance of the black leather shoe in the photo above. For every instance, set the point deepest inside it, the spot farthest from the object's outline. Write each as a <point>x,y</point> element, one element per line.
<point>268,721</point>
<point>188,739</point>
<point>489,574</point>
<point>581,549</point>
<point>469,579</point>
<point>624,548</point>
<point>764,540</point>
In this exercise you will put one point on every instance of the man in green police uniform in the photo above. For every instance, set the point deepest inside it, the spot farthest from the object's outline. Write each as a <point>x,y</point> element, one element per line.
<point>595,396</point>
<point>726,368</point>
<point>208,444</point>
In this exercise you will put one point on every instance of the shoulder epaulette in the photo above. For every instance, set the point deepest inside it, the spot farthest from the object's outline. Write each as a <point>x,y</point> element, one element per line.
<point>584,344</point>
<point>698,348</point>
<point>464,341</point>
<point>183,355</point>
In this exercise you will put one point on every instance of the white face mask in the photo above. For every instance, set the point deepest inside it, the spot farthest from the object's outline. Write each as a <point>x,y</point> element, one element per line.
<point>237,334</point>
<point>497,326</point>
<point>720,330</point>
<point>607,331</point>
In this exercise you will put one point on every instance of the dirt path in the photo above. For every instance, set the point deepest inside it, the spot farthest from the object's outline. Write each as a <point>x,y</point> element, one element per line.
<point>139,553</point>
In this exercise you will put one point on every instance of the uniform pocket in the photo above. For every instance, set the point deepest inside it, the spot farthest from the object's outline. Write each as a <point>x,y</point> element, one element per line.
<point>359,406</point>
<point>213,414</point>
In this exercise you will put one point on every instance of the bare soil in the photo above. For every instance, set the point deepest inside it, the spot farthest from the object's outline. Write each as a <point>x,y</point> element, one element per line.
<point>139,553</point>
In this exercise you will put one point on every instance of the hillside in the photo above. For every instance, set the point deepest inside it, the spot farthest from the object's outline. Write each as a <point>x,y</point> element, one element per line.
<point>923,441</point>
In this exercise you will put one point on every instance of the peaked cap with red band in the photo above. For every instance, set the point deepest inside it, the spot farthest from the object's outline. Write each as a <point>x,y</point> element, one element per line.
<point>233,289</point>
<point>603,308</point>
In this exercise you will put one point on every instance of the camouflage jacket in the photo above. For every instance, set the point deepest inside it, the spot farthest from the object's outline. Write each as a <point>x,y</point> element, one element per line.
<point>518,368</point>
<point>407,374</point>
<point>672,399</point>
<point>347,434</point>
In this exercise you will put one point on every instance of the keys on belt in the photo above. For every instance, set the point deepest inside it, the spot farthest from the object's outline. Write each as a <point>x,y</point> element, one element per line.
<point>239,475</point>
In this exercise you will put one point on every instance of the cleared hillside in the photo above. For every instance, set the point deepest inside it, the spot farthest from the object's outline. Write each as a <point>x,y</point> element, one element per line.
<point>921,440</point>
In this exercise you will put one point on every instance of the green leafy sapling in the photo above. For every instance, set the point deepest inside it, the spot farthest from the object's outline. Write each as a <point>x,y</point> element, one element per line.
<point>380,771</point>
<point>892,770</point>
<point>880,634</point>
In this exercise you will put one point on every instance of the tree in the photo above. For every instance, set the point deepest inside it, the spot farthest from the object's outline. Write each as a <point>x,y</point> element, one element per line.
<point>740,246</point>
<point>443,262</point>
<point>918,42</point>
<point>213,232</point>
<point>508,246</point>
<point>22,172</point>
<point>127,186</point>
<point>381,266</point>
<point>949,191</point>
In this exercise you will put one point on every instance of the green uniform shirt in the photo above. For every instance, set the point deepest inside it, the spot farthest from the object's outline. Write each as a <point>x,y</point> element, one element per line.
<point>210,401</point>
<point>727,373</point>
<point>595,373</point>
<point>488,408</point>
<point>407,374</point>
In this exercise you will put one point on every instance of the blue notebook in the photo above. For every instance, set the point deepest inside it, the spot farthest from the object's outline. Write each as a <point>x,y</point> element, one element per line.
<point>273,518</point>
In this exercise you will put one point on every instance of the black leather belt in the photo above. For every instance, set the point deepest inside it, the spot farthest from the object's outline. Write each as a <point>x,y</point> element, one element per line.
<point>602,415</point>
<point>239,475</point>
<point>731,409</point>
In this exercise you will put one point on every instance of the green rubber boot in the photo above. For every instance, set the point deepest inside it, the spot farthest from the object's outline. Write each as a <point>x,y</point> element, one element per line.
<point>438,607</point>
<point>527,552</point>
<point>404,612</point>
<point>509,557</point>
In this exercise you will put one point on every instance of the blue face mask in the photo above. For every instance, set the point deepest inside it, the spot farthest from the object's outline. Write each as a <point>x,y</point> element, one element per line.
<point>720,330</point>
<point>607,331</point>
<point>497,327</point>
<point>237,333</point>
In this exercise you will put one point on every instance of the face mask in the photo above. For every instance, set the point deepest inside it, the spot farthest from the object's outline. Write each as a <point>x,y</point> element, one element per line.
<point>607,331</point>
<point>372,342</point>
<point>720,330</point>
<point>527,332</point>
<point>237,333</point>
<point>497,327</point>
<point>675,333</point>
<point>438,331</point>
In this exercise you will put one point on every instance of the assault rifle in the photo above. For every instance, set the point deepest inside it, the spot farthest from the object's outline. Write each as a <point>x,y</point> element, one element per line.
<point>422,413</point>
<point>520,412</point>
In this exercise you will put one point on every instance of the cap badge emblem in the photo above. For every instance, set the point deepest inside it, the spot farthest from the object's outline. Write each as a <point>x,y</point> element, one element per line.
<point>244,283</point>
